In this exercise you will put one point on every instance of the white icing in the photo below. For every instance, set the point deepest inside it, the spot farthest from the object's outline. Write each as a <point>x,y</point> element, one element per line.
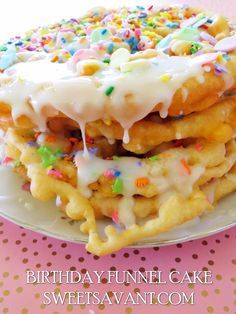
<point>82,98</point>
<point>166,176</point>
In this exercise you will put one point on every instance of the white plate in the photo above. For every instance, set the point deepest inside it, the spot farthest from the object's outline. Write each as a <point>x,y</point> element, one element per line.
<point>20,207</point>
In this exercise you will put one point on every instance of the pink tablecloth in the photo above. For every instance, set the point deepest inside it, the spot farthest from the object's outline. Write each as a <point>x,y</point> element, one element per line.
<point>23,250</point>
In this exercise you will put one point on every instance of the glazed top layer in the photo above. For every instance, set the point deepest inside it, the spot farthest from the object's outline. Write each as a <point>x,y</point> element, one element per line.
<point>112,64</point>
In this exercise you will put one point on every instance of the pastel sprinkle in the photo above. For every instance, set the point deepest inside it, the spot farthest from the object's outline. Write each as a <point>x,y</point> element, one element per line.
<point>32,144</point>
<point>187,33</point>
<point>198,147</point>
<point>93,150</point>
<point>115,157</point>
<point>115,217</point>
<point>117,186</point>
<point>6,160</point>
<point>220,58</point>
<point>226,57</point>
<point>142,182</point>
<point>154,158</point>
<point>109,174</point>
<point>55,173</point>
<point>110,48</point>
<point>54,59</point>
<point>26,187</point>
<point>48,156</point>
<point>17,163</point>
<point>186,166</point>
<point>109,90</point>
<point>226,44</point>
<point>106,61</point>
<point>165,77</point>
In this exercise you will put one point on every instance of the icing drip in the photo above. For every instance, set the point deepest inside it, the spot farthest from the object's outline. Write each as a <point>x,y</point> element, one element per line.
<point>82,98</point>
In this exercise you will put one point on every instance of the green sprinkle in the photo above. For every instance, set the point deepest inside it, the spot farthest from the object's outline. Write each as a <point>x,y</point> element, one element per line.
<point>109,90</point>
<point>49,156</point>
<point>3,48</point>
<point>153,158</point>
<point>115,158</point>
<point>106,61</point>
<point>117,186</point>
<point>17,163</point>
<point>195,47</point>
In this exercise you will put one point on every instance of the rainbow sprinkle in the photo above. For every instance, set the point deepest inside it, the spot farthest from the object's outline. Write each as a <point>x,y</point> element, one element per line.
<point>117,186</point>
<point>48,156</point>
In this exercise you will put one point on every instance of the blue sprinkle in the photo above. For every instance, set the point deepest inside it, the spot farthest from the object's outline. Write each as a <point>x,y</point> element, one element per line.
<point>210,21</point>
<point>219,68</point>
<point>140,7</point>
<point>20,43</point>
<point>142,16</point>
<point>180,117</point>
<point>226,57</point>
<point>172,25</point>
<point>93,150</point>
<point>130,40</point>
<point>63,40</point>
<point>110,48</point>
<point>103,32</point>
<point>134,45</point>
<point>116,173</point>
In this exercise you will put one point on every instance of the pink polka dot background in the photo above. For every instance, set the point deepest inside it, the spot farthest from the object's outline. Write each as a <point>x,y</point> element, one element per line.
<point>23,249</point>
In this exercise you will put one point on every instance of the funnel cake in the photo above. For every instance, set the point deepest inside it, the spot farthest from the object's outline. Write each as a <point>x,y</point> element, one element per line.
<point>127,113</point>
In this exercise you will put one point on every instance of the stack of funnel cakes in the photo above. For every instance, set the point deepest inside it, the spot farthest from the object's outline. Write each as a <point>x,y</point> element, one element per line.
<point>128,114</point>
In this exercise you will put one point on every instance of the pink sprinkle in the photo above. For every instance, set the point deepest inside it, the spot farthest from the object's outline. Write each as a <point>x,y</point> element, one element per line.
<point>138,32</point>
<point>6,160</point>
<point>207,37</point>
<point>66,30</point>
<point>226,44</point>
<point>150,8</point>
<point>26,186</point>
<point>55,173</point>
<point>82,54</point>
<point>198,147</point>
<point>115,217</point>
<point>206,58</point>
<point>109,174</point>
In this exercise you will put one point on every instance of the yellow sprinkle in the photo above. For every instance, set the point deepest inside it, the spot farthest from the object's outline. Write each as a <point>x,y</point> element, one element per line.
<point>149,34</point>
<point>220,58</point>
<point>166,15</point>
<point>165,77</point>
<point>44,32</point>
